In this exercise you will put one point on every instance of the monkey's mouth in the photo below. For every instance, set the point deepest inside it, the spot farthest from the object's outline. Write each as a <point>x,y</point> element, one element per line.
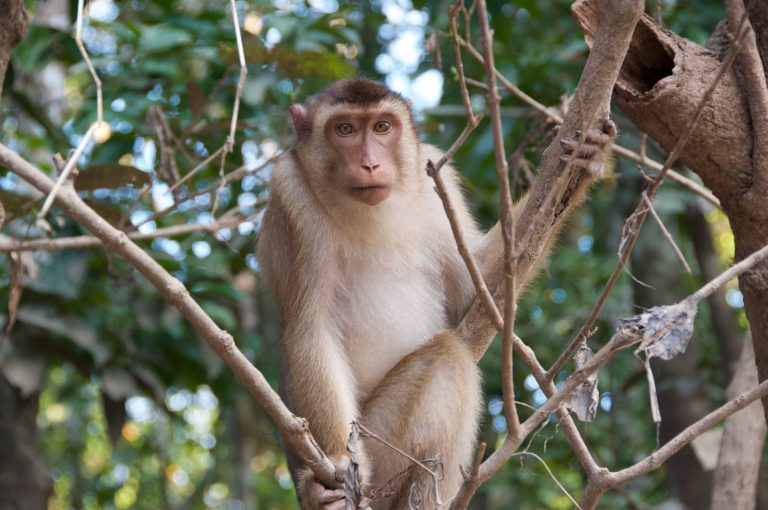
<point>371,195</point>
<point>358,189</point>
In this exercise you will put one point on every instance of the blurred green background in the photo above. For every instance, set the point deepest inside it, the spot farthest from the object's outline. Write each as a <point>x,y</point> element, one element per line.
<point>114,397</point>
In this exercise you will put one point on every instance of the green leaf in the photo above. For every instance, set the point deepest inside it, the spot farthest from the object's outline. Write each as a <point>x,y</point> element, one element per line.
<point>68,327</point>
<point>112,214</point>
<point>110,176</point>
<point>221,315</point>
<point>34,51</point>
<point>60,275</point>
<point>163,37</point>
<point>13,203</point>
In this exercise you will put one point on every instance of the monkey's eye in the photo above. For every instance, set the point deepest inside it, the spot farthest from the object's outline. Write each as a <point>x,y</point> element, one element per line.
<point>382,126</point>
<point>345,129</point>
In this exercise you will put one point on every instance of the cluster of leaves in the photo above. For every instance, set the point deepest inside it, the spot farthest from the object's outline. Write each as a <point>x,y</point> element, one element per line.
<point>134,410</point>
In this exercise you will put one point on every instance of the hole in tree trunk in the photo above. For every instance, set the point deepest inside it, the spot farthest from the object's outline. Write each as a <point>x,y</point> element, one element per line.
<point>648,61</point>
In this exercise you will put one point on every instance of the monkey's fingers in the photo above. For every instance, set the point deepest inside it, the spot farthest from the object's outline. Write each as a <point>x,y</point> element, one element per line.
<point>595,167</point>
<point>609,128</point>
<point>594,137</point>
<point>320,495</point>
<point>585,150</point>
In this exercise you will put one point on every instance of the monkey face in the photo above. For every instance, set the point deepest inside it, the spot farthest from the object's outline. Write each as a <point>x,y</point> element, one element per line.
<point>364,144</point>
<point>356,140</point>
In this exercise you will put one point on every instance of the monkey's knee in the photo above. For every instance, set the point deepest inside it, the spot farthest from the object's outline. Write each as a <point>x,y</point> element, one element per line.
<point>431,412</point>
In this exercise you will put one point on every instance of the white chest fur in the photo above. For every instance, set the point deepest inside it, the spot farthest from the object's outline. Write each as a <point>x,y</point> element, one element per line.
<point>388,308</point>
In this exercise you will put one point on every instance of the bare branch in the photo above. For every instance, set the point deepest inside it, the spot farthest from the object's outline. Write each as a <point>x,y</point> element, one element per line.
<point>552,114</point>
<point>507,221</point>
<point>735,270</point>
<point>637,218</point>
<point>8,245</point>
<point>68,167</point>
<point>609,480</point>
<point>665,232</point>
<point>294,430</point>
<point>466,254</point>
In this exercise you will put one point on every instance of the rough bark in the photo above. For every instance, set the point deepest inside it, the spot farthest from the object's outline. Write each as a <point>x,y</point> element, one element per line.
<point>24,480</point>
<point>13,27</point>
<point>661,84</point>
<point>738,465</point>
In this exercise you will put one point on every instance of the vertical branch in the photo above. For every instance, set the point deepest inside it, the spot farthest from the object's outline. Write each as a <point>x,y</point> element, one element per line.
<point>750,67</point>
<point>240,82</point>
<point>453,15</point>
<point>635,221</point>
<point>84,53</point>
<point>97,127</point>
<point>507,222</point>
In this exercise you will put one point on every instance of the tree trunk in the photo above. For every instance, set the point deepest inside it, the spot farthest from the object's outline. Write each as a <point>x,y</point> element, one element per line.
<point>738,465</point>
<point>681,391</point>
<point>661,84</point>
<point>13,27</point>
<point>24,481</point>
<point>725,326</point>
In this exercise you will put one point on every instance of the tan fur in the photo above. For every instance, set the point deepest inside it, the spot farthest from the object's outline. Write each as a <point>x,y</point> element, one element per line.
<point>366,294</point>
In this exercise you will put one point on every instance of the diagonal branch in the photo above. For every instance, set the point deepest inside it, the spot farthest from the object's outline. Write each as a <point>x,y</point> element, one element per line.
<point>596,86</point>
<point>295,430</point>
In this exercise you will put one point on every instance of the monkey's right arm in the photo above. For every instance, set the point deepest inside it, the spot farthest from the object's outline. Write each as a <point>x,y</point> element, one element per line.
<point>315,377</point>
<point>592,157</point>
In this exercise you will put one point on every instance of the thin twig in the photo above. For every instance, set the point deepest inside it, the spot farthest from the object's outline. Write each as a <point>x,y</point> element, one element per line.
<point>86,57</point>
<point>68,167</point>
<point>241,81</point>
<point>680,179</point>
<point>665,232</point>
<point>436,477</point>
<point>466,254</point>
<point>195,170</point>
<point>551,475</point>
<point>81,242</point>
<point>507,223</point>
<point>636,219</point>
<point>294,430</point>
<point>453,14</point>
<point>731,273</point>
<point>608,480</point>
<point>552,114</point>
<point>230,177</point>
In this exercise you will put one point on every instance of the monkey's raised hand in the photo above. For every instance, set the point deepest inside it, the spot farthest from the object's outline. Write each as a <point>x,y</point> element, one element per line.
<point>591,154</point>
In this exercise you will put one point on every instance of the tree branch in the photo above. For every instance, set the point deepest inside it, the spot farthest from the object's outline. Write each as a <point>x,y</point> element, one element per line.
<point>295,430</point>
<point>593,96</point>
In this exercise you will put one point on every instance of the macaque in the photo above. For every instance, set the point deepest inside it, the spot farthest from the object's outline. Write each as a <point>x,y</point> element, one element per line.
<point>368,280</point>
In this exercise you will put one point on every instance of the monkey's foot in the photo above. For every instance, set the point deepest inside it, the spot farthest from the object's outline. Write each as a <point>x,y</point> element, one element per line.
<point>321,497</point>
<point>326,499</point>
<point>589,151</point>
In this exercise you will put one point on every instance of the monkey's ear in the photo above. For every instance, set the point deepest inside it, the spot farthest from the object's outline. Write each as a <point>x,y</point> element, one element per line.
<point>299,117</point>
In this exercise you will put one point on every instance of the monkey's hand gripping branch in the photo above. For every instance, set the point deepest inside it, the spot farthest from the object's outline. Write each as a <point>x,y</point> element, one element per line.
<point>553,190</point>
<point>294,430</point>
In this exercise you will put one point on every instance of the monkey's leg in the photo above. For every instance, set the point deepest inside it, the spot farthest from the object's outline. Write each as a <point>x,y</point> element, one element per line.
<point>428,406</point>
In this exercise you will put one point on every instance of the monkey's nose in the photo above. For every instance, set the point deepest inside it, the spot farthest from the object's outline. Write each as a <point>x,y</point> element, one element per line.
<point>371,167</point>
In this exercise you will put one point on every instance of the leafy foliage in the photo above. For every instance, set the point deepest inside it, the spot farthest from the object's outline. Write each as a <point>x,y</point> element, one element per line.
<point>135,411</point>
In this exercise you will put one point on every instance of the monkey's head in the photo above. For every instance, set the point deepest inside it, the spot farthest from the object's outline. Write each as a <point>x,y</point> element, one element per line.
<point>356,139</point>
